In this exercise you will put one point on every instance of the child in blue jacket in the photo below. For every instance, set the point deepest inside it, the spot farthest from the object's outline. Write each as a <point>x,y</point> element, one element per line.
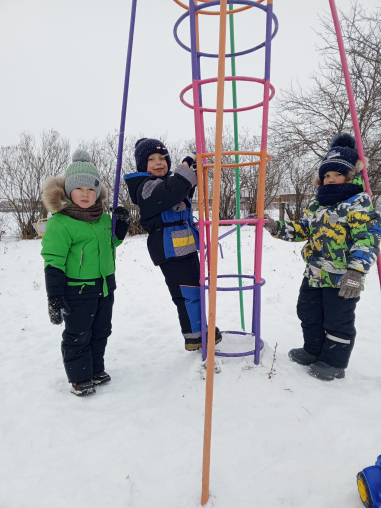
<point>165,206</point>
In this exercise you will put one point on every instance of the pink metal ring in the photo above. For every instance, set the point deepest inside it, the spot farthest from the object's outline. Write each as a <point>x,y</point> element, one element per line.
<point>197,82</point>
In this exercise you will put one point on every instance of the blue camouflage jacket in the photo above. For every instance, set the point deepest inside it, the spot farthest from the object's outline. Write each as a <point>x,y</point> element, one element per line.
<point>339,237</point>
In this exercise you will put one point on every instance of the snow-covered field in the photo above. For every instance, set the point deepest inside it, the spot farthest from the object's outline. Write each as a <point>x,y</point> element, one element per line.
<point>285,441</point>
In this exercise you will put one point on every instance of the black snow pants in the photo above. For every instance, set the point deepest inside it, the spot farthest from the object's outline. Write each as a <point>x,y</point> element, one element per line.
<point>182,276</point>
<point>84,339</point>
<point>328,323</point>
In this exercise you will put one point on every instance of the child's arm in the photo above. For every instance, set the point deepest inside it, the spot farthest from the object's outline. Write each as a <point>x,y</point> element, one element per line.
<point>290,231</point>
<point>365,225</point>
<point>157,195</point>
<point>55,248</point>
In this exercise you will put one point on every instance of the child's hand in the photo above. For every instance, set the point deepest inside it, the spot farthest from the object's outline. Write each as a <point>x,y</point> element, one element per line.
<point>190,160</point>
<point>57,307</point>
<point>271,225</point>
<point>121,213</point>
<point>350,284</point>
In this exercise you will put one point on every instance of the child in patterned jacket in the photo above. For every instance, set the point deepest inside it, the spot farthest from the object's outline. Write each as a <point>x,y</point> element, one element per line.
<point>343,232</point>
<point>166,213</point>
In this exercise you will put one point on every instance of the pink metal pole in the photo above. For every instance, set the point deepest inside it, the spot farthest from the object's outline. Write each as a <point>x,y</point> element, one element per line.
<point>352,106</point>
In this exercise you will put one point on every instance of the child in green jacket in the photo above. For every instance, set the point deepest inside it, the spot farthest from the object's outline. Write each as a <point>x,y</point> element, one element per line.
<point>79,256</point>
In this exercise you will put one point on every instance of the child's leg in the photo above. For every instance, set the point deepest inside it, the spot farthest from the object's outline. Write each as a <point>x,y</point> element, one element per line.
<point>101,330</point>
<point>311,314</point>
<point>182,276</point>
<point>339,325</point>
<point>75,345</point>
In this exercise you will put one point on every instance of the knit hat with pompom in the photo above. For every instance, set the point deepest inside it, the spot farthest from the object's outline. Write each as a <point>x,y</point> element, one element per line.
<point>82,173</point>
<point>341,156</point>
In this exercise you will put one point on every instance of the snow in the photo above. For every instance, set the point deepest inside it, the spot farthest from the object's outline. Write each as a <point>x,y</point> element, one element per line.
<point>286,440</point>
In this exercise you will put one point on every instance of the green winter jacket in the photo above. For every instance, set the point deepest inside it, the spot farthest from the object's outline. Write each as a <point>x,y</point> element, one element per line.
<point>84,251</point>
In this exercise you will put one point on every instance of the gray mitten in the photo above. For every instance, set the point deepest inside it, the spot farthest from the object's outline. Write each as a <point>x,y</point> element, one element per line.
<point>350,284</point>
<point>271,225</point>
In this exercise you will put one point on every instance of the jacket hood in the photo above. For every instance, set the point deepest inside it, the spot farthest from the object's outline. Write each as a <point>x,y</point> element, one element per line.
<point>54,196</point>
<point>133,182</point>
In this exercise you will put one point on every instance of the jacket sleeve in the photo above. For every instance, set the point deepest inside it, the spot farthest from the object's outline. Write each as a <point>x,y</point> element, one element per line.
<point>365,231</point>
<point>55,247</point>
<point>55,281</point>
<point>157,195</point>
<point>56,243</point>
<point>294,230</point>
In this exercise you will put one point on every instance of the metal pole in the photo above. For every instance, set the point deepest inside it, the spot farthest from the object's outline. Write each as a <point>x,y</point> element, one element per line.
<point>214,256</point>
<point>237,173</point>
<point>124,110</point>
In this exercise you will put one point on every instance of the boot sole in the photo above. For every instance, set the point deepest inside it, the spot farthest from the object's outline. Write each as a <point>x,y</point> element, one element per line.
<point>101,382</point>
<point>340,375</point>
<point>84,393</point>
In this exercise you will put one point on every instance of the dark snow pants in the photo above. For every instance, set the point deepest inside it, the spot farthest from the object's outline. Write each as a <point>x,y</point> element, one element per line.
<point>84,339</point>
<point>182,276</point>
<point>328,323</point>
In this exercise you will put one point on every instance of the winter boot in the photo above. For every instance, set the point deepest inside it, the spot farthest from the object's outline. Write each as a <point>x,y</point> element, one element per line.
<point>82,389</point>
<point>101,378</point>
<point>299,355</point>
<point>326,372</point>
<point>195,344</point>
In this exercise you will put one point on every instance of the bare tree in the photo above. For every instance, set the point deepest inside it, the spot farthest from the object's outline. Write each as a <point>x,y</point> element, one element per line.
<point>23,169</point>
<point>307,120</point>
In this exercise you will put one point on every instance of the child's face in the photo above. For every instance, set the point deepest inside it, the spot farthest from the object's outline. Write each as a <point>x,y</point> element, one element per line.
<point>83,197</point>
<point>157,165</point>
<point>333,177</point>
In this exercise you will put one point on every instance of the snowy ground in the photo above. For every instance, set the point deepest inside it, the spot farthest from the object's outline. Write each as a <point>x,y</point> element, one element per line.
<point>285,441</point>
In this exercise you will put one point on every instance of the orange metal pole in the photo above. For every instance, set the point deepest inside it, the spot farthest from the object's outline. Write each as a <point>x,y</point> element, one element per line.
<point>214,257</point>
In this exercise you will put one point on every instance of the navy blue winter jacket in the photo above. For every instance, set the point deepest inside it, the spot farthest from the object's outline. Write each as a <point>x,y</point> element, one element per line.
<point>166,212</point>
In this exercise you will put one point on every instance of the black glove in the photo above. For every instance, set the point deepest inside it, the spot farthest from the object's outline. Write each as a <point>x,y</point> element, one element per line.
<point>122,216</point>
<point>190,159</point>
<point>121,213</point>
<point>57,307</point>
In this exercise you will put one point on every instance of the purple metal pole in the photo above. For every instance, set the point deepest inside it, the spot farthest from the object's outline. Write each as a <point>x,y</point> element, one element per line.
<point>124,110</point>
<point>256,323</point>
<point>198,135</point>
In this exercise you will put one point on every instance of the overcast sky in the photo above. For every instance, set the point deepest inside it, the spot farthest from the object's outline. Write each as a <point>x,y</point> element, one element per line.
<point>63,63</point>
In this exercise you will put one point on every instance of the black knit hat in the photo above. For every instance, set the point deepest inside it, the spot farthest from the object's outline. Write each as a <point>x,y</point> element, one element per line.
<point>341,156</point>
<point>145,147</point>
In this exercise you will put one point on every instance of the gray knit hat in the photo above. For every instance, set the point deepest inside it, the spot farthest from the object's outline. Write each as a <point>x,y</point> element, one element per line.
<point>82,173</point>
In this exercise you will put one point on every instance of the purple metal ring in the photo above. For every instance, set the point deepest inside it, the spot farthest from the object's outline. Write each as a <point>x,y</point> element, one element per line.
<point>227,78</point>
<point>238,276</point>
<point>246,353</point>
<point>217,2</point>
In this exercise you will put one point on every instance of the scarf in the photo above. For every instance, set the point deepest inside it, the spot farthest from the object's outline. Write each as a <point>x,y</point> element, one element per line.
<point>84,214</point>
<point>336,193</point>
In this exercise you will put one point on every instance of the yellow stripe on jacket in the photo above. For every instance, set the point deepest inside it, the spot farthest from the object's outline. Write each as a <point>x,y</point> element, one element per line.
<point>183,242</point>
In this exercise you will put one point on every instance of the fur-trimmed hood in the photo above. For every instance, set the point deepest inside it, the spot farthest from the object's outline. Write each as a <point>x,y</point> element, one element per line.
<point>54,196</point>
